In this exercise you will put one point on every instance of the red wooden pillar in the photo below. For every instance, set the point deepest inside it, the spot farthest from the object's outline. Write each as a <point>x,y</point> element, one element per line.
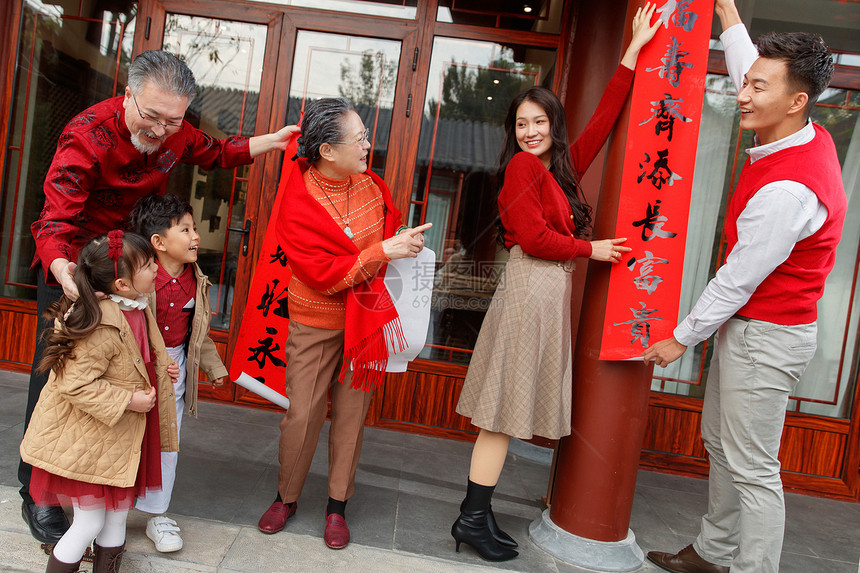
<point>595,475</point>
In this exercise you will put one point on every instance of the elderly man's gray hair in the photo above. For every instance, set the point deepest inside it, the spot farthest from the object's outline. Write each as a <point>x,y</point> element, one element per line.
<point>165,71</point>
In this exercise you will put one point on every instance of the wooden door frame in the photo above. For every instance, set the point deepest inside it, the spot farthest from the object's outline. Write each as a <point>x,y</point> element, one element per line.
<point>153,15</point>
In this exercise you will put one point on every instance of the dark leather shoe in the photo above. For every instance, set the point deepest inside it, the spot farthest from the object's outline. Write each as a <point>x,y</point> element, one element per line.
<point>685,561</point>
<point>276,517</point>
<point>47,523</point>
<point>336,532</point>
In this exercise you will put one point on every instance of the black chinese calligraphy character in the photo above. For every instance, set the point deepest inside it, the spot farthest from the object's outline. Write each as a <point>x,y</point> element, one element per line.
<point>666,111</point>
<point>640,325</point>
<point>679,12</point>
<point>652,224</point>
<point>685,18</point>
<point>646,281</point>
<point>672,64</point>
<point>270,297</point>
<point>661,172</point>
<point>266,350</point>
<point>279,256</point>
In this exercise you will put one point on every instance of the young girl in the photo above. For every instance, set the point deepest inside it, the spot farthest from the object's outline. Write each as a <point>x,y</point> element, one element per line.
<point>97,432</point>
<point>519,379</point>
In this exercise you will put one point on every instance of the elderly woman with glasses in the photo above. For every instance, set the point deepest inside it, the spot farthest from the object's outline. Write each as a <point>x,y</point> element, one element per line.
<point>339,231</point>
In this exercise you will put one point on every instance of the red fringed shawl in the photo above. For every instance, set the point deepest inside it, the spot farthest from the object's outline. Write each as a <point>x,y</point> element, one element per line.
<point>320,254</point>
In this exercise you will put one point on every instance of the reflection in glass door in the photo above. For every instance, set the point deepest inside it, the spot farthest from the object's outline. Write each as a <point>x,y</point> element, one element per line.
<point>362,70</point>
<point>469,88</point>
<point>227,60</point>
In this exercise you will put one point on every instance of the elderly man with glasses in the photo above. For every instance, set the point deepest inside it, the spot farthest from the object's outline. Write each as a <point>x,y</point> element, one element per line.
<point>107,157</point>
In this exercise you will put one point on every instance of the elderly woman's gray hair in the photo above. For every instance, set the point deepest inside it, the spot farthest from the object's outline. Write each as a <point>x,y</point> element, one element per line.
<point>165,71</point>
<point>322,123</point>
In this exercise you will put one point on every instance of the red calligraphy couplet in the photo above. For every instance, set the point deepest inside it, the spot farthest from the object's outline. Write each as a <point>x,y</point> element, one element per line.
<point>660,157</point>
<point>259,351</point>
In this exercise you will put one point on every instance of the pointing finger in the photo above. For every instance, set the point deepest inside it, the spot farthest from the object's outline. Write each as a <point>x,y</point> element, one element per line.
<point>419,229</point>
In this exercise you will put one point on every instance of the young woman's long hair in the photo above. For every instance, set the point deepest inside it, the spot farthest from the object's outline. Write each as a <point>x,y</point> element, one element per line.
<point>560,166</point>
<point>95,273</point>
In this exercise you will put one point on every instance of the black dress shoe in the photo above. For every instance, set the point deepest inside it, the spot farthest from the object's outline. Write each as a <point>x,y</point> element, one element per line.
<point>685,561</point>
<point>47,523</point>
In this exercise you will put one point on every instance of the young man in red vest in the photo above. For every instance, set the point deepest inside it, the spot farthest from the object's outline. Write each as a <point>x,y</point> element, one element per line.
<point>782,227</point>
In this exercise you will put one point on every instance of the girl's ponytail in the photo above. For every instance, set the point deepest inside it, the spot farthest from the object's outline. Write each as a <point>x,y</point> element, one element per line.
<point>101,261</point>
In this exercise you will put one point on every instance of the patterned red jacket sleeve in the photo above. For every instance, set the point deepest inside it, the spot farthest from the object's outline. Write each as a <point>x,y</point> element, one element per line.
<point>70,177</point>
<point>208,152</point>
<point>97,157</point>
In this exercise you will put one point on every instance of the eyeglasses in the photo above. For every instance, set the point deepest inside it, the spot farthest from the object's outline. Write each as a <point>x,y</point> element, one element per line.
<point>360,141</point>
<point>152,119</point>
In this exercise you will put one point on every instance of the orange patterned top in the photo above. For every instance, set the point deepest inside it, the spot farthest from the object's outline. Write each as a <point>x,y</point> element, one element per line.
<point>358,201</point>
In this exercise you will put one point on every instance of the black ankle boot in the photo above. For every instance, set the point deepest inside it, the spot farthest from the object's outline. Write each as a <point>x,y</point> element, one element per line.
<point>472,527</point>
<point>499,535</point>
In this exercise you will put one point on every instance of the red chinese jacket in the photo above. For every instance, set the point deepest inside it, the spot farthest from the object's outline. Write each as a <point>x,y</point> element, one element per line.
<point>97,175</point>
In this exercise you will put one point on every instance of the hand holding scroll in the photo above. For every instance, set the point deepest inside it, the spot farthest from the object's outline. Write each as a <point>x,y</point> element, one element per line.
<point>664,352</point>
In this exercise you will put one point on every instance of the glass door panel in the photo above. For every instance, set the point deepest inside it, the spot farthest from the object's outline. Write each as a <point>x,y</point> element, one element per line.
<point>363,70</point>
<point>227,60</point>
<point>469,87</point>
<point>72,55</point>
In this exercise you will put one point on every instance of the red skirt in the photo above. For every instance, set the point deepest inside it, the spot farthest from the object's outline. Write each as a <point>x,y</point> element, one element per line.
<point>47,488</point>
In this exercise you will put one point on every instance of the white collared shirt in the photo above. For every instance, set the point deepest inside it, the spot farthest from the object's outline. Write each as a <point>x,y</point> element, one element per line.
<point>778,216</point>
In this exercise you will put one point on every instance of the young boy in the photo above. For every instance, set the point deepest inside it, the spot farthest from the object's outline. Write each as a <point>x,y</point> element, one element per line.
<point>181,308</point>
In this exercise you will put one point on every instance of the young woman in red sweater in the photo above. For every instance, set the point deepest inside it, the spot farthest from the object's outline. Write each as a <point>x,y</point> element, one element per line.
<point>519,379</point>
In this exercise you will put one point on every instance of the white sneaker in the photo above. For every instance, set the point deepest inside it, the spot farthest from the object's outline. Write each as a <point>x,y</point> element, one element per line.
<point>164,533</point>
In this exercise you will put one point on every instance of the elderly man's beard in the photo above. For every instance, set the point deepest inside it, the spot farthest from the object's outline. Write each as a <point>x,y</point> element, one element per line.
<point>142,147</point>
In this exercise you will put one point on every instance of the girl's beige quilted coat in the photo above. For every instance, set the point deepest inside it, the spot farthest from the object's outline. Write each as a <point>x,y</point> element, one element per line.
<point>80,428</point>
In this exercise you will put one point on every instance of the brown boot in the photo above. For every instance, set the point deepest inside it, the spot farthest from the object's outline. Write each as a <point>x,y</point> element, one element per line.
<point>57,566</point>
<point>108,559</point>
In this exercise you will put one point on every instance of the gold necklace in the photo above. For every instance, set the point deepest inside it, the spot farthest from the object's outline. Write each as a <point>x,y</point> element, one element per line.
<point>345,220</point>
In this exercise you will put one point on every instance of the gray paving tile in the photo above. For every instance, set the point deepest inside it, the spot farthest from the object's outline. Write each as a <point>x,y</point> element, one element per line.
<point>10,440</point>
<point>212,489</point>
<point>372,515</point>
<point>12,406</point>
<point>235,441</point>
<point>835,532</point>
<point>672,482</point>
<point>793,563</point>
<point>389,437</point>
<point>224,412</point>
<point>680,511</point>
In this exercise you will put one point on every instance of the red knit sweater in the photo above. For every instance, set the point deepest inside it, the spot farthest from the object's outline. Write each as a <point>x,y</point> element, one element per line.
<point>789,294</point>
<point>366,214</point>
<point>534,210</point>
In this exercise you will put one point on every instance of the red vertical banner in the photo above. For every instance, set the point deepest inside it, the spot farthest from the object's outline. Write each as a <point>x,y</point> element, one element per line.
<point>258,360</point>
<point>657,178</point>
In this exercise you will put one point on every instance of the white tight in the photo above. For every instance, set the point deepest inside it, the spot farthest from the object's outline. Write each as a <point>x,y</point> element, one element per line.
<point>106,526</point>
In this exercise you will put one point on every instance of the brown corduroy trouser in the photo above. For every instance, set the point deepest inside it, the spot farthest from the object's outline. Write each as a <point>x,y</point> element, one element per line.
<point>313,364</point>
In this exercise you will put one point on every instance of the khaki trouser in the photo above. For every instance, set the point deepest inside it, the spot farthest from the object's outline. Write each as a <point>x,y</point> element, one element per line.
<point>313,363</point>
<point>756,366</point>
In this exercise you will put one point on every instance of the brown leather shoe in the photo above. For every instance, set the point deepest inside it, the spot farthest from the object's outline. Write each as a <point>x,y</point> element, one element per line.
<point>685,561</point>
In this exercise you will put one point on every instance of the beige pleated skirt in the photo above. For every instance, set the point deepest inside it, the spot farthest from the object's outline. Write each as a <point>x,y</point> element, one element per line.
<point>519,378</point>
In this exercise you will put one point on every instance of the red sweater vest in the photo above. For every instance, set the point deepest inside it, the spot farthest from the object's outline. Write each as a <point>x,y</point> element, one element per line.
<point>789,294</point>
